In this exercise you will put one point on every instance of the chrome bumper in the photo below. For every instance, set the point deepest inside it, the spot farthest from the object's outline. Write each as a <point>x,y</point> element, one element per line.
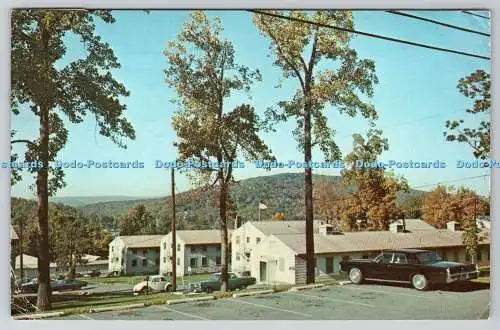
<point>462,276</point>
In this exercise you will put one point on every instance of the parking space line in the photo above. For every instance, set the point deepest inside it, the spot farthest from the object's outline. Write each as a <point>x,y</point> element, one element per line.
<point>332,299</point>
<point>273,308</point>
<point>387,292</point>
<point>182,313</point>
<point>85,317</point>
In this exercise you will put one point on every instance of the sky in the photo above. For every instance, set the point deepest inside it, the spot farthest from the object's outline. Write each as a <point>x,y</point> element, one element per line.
<point>415,96</point>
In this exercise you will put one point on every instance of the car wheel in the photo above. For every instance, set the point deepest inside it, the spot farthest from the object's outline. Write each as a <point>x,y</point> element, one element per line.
<point>243,287</point>
<point>356,276</point>
<point>419,282</point>
<point>168,288</point>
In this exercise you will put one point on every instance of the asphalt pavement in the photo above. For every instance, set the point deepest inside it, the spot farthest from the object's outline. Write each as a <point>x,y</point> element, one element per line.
<point>338,302</point>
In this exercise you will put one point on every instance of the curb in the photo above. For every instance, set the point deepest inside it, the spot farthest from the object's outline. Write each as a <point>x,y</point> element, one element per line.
<point>252,293</point>
<point>305,287</point>
<point>37,316</point>
<point>115,308</point>
<point>180,301</point>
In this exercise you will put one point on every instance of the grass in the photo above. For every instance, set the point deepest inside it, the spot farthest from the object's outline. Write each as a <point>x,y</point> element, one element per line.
<point>483,279</point>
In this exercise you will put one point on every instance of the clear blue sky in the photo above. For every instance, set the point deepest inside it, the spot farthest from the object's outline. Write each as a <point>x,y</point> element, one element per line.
<point>416,94</point>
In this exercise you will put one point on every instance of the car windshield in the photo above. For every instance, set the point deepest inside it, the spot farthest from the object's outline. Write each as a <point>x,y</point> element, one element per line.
<point>428,257</point>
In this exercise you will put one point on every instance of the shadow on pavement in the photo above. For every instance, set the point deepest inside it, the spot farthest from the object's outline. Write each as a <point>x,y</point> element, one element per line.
<point>464,287</point>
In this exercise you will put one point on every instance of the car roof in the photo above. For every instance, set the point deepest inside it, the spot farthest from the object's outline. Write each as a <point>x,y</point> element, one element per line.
<point>407,250</point>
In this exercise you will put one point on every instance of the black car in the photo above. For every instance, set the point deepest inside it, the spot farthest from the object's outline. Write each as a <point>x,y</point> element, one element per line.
<point>68,285</point>
<point>420,268</point>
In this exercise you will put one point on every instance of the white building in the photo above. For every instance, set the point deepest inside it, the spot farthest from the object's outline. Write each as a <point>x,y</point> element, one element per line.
<point>135,255</point>
<point>197,250</point>
<point>280,258</point>
<point>250,234</point>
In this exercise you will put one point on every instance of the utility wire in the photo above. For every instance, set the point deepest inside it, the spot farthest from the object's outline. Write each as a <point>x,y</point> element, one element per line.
<point>456,27</point>
<point>373,35</point>
<point>474,14</point>
<point>456,180</point>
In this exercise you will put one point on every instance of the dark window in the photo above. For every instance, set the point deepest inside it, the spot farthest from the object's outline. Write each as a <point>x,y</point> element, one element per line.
<point>248,239</point>
<point>164,259</point>
<point>204,262</point>
<point>237,258</point>
<point>178,247</point>
<point>164,246</point>
<point>157,261</point>
<point>145,251</point>
<point>144,262</point>
<point>387,258</point>
<point>428,257</point>
<point>399,258</point>
<point>412,259</point>
<point>178,261</point>
<point>134,263</point>
<point>193,249</point>
<point>193,262</point>
<point>257,240</point>
<point>237,240</point>
<point>344,258</point>
<point>217,260</point>
<point>204,248</point>
<point>218,247</point>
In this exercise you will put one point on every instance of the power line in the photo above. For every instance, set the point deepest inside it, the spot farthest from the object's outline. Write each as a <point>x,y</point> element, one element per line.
<point>474,14</point>
<point>373,35</point>
<point>456,27</point>
<point>456,180</point>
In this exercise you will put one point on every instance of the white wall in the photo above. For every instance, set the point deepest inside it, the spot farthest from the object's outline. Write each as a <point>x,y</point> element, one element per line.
<point>116,256</point>
<point>279,259</point>
<point>165,252</point>
<point>247,235</point>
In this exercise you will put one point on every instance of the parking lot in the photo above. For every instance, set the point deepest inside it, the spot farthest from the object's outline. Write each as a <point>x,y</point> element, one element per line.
<point>347,302</point>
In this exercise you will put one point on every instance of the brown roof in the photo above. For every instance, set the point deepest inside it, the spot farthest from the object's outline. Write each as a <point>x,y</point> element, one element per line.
<point>375,241</point>
<point>142,241</point>
<point>415,224</point>
<point>201,236</point>
<point>13,234</point>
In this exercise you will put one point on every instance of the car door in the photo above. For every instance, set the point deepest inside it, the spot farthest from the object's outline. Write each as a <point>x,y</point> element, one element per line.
<point>378,270</point>
<point>155,284</point>
<point>232,281</point>
<point>399,269</point>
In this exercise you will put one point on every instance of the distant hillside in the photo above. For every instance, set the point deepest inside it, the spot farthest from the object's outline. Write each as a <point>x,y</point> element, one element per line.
<point>283,191</point>
<point>85,200</point>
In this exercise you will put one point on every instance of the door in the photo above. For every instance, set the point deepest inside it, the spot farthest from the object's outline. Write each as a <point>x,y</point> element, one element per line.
<point>379,269</point>
<point>399,269</point>
<point>263,271</point>
<point>329,265</point>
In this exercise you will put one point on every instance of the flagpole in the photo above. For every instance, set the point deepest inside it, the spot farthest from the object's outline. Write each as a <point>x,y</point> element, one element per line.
<point>259,212</point>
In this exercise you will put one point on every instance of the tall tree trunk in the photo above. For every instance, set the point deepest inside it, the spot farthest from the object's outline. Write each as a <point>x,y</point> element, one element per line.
<point>310,260</point>
<point>223,231</point>
<point>44,290</point>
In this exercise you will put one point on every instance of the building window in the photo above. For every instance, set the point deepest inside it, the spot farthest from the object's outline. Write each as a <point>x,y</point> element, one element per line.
<point>157,261</point>
<point>178,247</point>
<point>144,262</point>
<point>145,251</point>
<point>237,240</point>
<point>204,262</point>
<point>134,263</point>
<point>164,245</point>
<point>248,239</point>
<point>217,261</point>
<point>204,248</point>
<point>237,258</point>
<point>164,259</point>
<point>112,248</point>
<point>218,248</point>
<point>193,262</point>
<point>257,240</point>
<point>282,264</point>
<point>178,261</point>
<point>193,249</point>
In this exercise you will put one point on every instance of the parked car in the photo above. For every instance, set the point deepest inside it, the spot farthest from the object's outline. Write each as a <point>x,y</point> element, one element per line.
<point>92,273</point>
<point>32,286</point>
<point>68,285</point>
<point>420,268</point>
<point>214,283</point>
<point>153,283</point>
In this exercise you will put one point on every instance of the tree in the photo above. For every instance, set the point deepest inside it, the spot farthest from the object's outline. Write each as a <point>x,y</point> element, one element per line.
<point>302,51</point>
<point>327,196</point>
<point>204,74</point>
<point>69,239</point>
<point>476,86</point>
<point>373,201</point>
<point>412,207</point>
<point>137,221</point>
<point>83,86</point>
<point>436,208</point>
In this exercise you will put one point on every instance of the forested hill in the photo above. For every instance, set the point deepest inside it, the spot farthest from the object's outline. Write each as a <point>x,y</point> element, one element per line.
<point>283,191</point>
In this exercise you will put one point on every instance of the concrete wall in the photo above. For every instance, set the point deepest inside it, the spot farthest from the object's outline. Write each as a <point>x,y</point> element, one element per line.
<point>244,240</point>
<point>279,262</point>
